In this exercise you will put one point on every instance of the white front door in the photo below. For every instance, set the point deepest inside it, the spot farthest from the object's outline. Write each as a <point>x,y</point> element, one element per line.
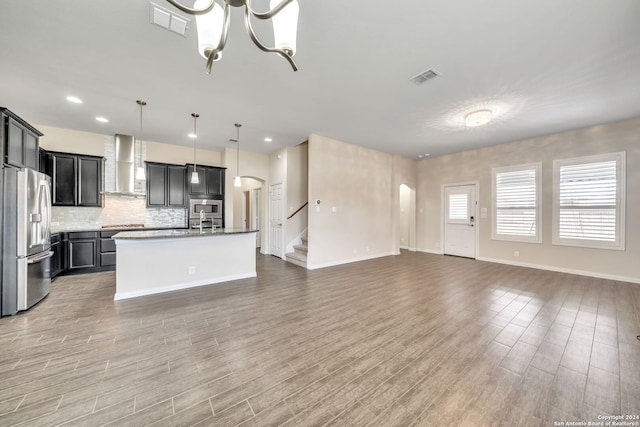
<point>460,220</point>
<point>275,220</point>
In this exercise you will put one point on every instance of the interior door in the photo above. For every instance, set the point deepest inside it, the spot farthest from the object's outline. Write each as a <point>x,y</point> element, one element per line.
<point>246,203</point>
<point>256,215</point>
<point>460,220</point>
<point>275,220</point>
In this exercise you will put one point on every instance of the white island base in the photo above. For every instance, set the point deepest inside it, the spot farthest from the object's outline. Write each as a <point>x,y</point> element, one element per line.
<point>151,262</point>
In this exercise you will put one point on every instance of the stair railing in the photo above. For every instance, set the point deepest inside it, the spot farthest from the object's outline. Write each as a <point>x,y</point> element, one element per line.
<point>298,210</point>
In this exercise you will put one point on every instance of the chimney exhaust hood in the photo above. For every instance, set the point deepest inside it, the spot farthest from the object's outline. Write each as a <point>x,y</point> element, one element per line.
<point>125,159</point>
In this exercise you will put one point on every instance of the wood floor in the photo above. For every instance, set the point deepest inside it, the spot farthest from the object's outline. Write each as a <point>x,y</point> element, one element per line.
<point>416,339</point>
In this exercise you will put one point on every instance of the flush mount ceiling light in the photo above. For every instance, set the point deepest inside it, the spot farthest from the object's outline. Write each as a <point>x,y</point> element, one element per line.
<point>102,119</point>
<point>478,118</point>
<point>267,139</point>
<point>194,174</point>
<point>140,174</point>
<point>213,26</point>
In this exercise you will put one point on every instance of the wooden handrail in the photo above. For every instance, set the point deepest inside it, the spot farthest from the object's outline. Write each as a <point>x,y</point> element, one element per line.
<point>298,210</point>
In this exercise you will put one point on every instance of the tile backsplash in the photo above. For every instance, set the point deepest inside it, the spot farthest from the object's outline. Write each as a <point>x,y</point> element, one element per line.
<point>118,208</point>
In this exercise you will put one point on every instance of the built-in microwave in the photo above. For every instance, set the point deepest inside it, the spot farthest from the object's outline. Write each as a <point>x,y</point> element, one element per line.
<point>211,209</point>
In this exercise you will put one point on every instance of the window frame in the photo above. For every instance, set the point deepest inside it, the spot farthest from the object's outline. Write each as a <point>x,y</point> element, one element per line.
<point>537,167</point>
<point>619,243</point>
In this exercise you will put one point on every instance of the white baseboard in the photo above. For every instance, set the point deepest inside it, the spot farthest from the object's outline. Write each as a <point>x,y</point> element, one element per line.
<point>180,286</point>
<point>347,261</point>
<point>563,270</point>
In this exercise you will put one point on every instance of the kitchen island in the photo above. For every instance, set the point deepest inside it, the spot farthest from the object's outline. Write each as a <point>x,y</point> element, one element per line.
<point>151,262</point>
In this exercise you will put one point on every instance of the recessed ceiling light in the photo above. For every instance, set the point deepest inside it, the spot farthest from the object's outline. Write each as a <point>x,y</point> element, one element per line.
<point>421,156</point>
<point>102,119</point>
<point>267,139</point>
<point>192,135</point>
<point>478,118</point>
<point>74,99</point>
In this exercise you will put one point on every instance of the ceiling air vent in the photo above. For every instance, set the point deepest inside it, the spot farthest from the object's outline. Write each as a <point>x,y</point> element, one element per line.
<point>424,76</point>
<point>166,19</point>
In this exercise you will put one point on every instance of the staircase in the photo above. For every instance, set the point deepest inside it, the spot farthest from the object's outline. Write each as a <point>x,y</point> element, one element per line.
<point>299,254</point>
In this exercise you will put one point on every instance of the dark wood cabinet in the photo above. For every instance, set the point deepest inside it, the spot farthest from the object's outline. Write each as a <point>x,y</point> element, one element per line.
<point>198,189</point>
<point>44,165</point>
<point>166,185</point>
<point>108,248</point>
<point>59,248</point>
<point>156,185</point>
<point>76,179</point>
<point>20,141</point>
<point>83,250</point>
<point>176,189</point>
<point>90,181</point>
<point>64,186</point>
<point>31,159</point>
<point>211,181</point>
<point>215,181</point>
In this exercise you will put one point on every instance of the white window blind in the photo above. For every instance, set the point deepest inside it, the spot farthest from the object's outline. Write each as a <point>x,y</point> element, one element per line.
<point>589,201</point>
<point>458,207</point>
<point>516,203</point>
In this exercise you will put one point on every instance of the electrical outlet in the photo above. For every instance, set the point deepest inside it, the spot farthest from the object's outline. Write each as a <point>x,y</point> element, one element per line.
<point>192,270</point>
<point>516,253</point>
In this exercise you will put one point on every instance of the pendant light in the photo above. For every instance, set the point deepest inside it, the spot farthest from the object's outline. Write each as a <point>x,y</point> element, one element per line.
<point>194,174</point>
<point>237,182</point>
<point>213,21</point>
<point>140,169</point>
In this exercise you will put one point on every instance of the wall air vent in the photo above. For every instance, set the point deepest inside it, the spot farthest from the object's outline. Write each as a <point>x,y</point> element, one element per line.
<point>424,76</point>
<point>168,20</point>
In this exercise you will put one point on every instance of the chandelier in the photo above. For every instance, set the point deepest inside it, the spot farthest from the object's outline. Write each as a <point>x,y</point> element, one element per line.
<point>213,26</point>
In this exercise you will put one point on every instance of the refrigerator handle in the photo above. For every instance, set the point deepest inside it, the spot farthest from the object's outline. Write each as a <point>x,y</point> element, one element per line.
<point>39,257</point>
<point>45,207</point>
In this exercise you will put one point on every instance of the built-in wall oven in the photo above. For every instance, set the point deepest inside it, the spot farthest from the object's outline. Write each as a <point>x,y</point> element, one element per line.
<point>207,211</point>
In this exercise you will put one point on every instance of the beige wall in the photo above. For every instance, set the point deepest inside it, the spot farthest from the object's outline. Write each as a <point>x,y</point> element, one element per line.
<point>404,172</point>
<point>297,192</point>
<point>476,166</point>
<point>248,184</point>
<point>167,153</point>
<point>74,141</point>
<point>289,166</point>
<point>358,182</point>
<point>252,165</point>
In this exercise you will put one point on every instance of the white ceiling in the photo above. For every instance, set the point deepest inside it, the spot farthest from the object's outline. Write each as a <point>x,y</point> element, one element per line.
<point>544,66</point>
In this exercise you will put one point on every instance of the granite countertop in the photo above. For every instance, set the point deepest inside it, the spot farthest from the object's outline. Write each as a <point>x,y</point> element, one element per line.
<point>178,233</point>
<point>66,229</point>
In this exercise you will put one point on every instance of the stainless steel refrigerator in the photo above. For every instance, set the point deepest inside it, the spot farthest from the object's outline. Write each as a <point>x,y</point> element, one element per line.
<point>26,272</point>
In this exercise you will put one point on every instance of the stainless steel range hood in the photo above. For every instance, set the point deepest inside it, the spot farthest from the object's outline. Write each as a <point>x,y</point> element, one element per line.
<point>125,158</point>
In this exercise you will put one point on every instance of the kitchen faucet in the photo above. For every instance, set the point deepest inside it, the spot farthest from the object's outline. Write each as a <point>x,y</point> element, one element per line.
<point>201,219</point>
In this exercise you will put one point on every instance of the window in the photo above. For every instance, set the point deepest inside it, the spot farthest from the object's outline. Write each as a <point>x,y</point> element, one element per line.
<point>516,203</point>
<point>458,208</point>
<point>589,198</point>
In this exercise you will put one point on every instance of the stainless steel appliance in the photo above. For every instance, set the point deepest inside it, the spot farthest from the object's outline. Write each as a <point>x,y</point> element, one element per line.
<point>27,238</point>
<point>207,211</point>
